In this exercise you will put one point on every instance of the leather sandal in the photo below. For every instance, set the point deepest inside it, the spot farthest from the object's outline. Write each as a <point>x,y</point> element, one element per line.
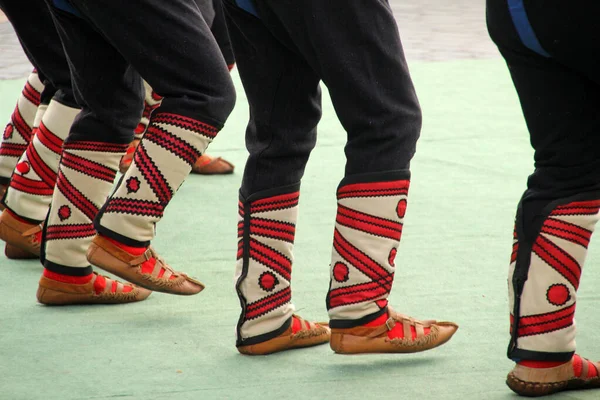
<point>51,292</point>
<point>363,339</point>
<point>309,334</point>
<point>20,234</point>
<point>14,253</point>
<point>573,375</point>
<point>208,165</point>
<point>108,256</point>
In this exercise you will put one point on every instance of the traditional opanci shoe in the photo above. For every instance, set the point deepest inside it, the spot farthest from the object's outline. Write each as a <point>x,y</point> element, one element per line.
<point>15,253</point>
<point>417,336</point>
<point>301,333</point>
<point>578,373</point>
<point>147,270</point>
<point>20,234</point>
<point>52,290</point>
<point>208,165</point>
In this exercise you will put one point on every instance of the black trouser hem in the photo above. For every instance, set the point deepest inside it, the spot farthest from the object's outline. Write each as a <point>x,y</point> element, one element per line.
<point>519,355</point>
<point>65,270</point>
<point>118,237</point>
<point>351,323</point>
<point>265,336</point>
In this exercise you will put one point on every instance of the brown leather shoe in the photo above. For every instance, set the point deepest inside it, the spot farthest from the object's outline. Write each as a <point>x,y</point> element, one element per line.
<point>362,339</point>
<point>535,382</point>
<point>15,253</point>
<point>115,260</point>
<point>20,234</point>
<point>310,334</point>
<point>2,191</point>
<point>51,292</point>
<point>208,165</point>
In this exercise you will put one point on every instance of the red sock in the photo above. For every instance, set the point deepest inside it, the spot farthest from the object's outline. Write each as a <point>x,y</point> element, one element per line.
<point>147,266</point>
<point>397,331</point>
<point>592,371</point>
<point>540,364</point>
<point>99,283</point>
<point>136,251</point>
<point>77,280</point>
<point>297,324</point>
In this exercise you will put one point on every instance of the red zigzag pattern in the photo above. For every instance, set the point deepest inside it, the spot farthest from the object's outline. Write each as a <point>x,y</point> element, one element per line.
<point>544,323</point>
<point>79,231</point>
<point>75,197</point>
<point>186,123</point>
<point>31,94</point>
<point>49,139</point>
<point>158,183</point>
<point>88,167</point>
<point>381,279</point>
<point>46,174</point>
<point>271,259</point>
<point>136,207</point>
<point>374,189</point>
<point>267,304</point>
<point>30,186</point>
<point>22,127</point>
<point>275,203</point>
<point>12,149</point>
<point>368,223</point>
<point>172,143</point>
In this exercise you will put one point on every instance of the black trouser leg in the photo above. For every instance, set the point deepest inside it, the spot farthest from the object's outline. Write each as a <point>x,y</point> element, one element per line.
<point>172,48</point>
<point>219,30</point>
<point>355,48</point>
<point>285,104</point>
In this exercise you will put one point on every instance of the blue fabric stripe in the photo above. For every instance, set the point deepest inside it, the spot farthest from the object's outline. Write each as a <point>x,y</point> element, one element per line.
<point>248,6</point>
<point>65,6</point>
<point>524,29</point>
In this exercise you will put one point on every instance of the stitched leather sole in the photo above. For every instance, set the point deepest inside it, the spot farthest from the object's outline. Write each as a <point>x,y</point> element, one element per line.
<point>15,253</point>
<point>537,389</point>
<point>51,292</point>
<point>316,335</point>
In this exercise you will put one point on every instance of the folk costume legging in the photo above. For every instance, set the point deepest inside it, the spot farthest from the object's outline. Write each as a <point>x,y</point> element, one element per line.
<point>284,49</point>
<point>553,59</point>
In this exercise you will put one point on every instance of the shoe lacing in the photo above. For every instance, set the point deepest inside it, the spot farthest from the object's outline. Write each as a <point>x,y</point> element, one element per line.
<point>108,283</point>
<point>151,253</point>
<point>304,332</point>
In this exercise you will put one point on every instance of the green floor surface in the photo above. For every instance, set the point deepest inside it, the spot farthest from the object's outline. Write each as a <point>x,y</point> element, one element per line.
<point>470,169</point>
